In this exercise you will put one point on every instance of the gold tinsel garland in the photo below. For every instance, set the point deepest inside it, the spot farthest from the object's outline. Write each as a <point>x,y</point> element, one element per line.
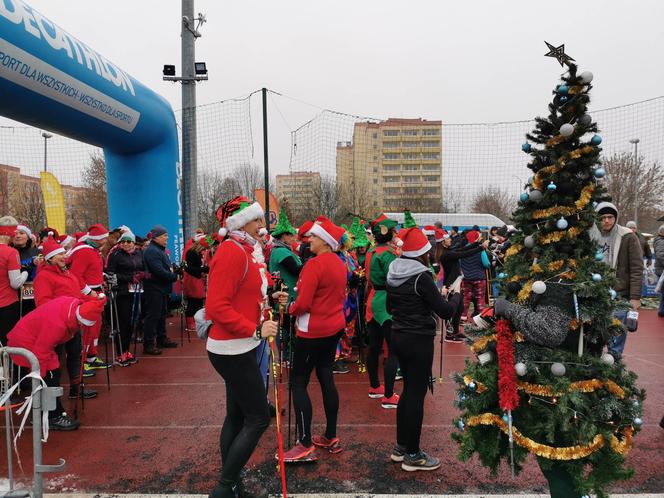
<point>555,265</point>
<point>513,250</point>
<point>481,343</point>
<point>524,293</point>
<point>581,203</point>
<point>467,379</point>
<point>584,386</point>
<point>536,268</point>
<point>538,180</point>
<point>552,452</point>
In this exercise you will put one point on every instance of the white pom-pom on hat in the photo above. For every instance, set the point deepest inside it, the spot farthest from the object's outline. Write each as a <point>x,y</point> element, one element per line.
<point>223,232</point>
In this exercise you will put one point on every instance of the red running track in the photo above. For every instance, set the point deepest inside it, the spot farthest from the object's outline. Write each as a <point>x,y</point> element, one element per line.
<point>157,431</point>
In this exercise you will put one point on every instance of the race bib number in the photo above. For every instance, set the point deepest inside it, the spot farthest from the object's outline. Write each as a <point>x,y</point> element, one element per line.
<point>27,291</point>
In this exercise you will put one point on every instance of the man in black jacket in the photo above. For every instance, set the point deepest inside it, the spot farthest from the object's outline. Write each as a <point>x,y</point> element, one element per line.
<point>157,287</point>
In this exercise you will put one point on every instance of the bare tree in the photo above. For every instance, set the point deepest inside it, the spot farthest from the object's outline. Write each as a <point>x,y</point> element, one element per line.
<point>453,200</point>
<point>494,200</point>
<point>92,207</point>
<point>213,190</point>
<point>328,197</point>
<point>28,205</point>
<point>248,177</point>
<point>637,183</point>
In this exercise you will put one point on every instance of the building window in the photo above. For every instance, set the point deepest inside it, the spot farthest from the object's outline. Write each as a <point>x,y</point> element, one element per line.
<point>431,178</point>
<point>431,144</point>
<point>390,156</point>
<point>375,170</point>
<point>375,158</point>
<point>411,167</point>
<point>431,167</point>
<point>375,135</point>
<point>391,179</point>
<point>391,145</point>
<point>375,146</point>
<point>391,190</point>
<point>411,179</point>
<point>410,133</point>
<point>391,167</point>
<point>411,144</point>
<point>411,190</point>
<point>390,133</point>
<point>430,155</point>
<point>375,180</point>
<point>428,132</point>
<point>410,156</point>
<point>430,190</point>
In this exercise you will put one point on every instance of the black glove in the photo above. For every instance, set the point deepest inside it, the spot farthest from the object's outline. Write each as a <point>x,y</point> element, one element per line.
<point>500,307</point>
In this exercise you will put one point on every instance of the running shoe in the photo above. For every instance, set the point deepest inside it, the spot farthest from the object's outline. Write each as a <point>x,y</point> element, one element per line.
<point>453,338</point>
<point>398,375</point>
<point>340,367</point>
<point>97,364</point>
<point>332,445</point>
<point>419,461</point>
<point>377,392</point>
<point>300,453</point>
<point>398,453</point>
<point>63,422</point>
<point>391,402</point>
<point>88,371</point>
<point>131,358</point>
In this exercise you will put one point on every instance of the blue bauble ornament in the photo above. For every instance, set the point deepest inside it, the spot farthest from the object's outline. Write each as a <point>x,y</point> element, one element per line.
<point>613,294</point>
<point>594,204</point>
<point>472,386</point>
<point>524,196</point>
<point>501,276</point>
<point>597,277</point>
<point>551,187</point>
<point>462,397</point>
<point>638,421</point>
<point>526,147</point>
<point>563,89</point>
<point>461,425</point>
<point>506,419</point>
<point>563,99</point>
<point>562,224</point>
<point>600,173</point>
<point>596,140</point>
<point>599,256</point>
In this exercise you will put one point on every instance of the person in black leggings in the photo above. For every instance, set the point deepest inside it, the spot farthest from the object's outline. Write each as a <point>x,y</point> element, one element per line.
<point>413,300</point>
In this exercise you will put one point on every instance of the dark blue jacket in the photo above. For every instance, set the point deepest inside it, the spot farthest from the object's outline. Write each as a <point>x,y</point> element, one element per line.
<point>472,267</point>
<point>158,265</point>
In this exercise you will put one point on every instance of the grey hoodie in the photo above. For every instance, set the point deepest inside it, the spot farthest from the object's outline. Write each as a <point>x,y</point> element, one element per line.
<point>402,269</point>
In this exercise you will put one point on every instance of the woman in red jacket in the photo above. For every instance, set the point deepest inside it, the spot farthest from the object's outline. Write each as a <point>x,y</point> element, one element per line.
<point>45,328</point>
<point>237,293</point>
<point>320,323</point>
<point>195,270</point>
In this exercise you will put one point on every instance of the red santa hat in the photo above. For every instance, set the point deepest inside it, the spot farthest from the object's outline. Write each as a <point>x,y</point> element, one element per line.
<point>65,239</point>
<point>473,236</point>
<point>415,243</point>
<point>79,236</point>
<point>8,226</point>
<point>330,233</point>
<point>441,234</point>
<point>97,232</point>
<point>429,230</point>
<point>304,230</point>
<point>236,213</point>
<point>25,229</point>
<point>50,248</point>
<point>90,311</point>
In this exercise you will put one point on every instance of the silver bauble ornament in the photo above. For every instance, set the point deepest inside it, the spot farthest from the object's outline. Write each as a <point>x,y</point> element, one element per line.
<point>539,287</point>
<point>558,369</point>
<point>586,77</point>
<point>608,359</point>
<point>529,242</point>
<point>535,195</point>
<point>638,421</point>
<point>520,369</point>
<point>566,130</point>
<point>485,358</point>
<point>585,120</point>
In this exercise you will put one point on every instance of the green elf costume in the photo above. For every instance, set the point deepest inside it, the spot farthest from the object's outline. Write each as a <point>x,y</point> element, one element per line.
<point>360,241</point>
<point>282,257</point>
<point>379,321</point>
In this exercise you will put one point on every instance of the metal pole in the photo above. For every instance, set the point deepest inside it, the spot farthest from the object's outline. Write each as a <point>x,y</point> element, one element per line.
<point>265,161</point>
<point>635,141</point>
<point>189,150</point>
<point>45,152</point>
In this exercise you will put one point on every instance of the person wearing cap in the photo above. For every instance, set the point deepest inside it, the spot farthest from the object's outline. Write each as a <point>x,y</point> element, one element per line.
<point>414,301</point>
<point>54,280</point>
<point>622,252</point>
<point>237,293</point>
<point>29,255</point>
<point>379,320</point>
<point>86,262</point>
<point>474,268</point>
<point>42,331</point>
<point>319,325</point>
<point>304,252</point>
<point>157,289</point>
<point>125,261</point>
<point>645,247</point>
<point>11,278</point>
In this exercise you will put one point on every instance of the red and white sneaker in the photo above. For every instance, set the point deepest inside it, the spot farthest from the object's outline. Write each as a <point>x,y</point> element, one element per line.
<point>331,445</point>
<point>391,402</point>
<point>377,392</point>
<point>131,358</point>
<point>300,453</point>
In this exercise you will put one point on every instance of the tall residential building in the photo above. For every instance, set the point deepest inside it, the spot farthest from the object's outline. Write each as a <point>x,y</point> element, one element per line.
<point>302,189</point>
<point>391,165</point>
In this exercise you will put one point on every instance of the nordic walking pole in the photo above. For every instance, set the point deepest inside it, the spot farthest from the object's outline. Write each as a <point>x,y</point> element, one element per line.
<point>277,395</point>
<point>443,329</point>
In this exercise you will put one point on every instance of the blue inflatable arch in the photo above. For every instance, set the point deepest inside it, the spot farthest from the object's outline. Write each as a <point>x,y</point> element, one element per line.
<point>51,80</point>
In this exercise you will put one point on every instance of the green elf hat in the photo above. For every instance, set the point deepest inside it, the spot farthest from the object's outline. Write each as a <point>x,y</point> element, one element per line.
<point>283,225</point>
<point>382,225</point>
<point>408,220</point>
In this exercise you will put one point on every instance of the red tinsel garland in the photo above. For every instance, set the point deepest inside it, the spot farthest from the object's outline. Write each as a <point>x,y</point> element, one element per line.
<point>508,397</point>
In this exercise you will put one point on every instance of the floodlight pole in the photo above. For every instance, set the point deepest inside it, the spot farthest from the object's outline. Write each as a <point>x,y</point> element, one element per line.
<point>635,142</point>
<point>266,166</point>
<point>189,150</point>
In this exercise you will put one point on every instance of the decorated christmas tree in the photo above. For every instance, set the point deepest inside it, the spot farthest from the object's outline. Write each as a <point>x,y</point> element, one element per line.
<point>542,382</point>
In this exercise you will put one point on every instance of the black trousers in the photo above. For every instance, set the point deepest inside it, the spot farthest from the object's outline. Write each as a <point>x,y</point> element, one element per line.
<point>378,333</point>
<point>9,316</point>
<point>310,354</point>
<point>193,305</point>
<point>124,303</point>
<point>415,355</point>
<point>456,319</point>
<point>71,350</point>
<point>247,415</point>
<point>156,308</point>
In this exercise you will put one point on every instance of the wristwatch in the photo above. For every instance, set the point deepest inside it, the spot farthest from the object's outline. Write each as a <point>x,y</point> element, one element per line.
<point>257,334</point>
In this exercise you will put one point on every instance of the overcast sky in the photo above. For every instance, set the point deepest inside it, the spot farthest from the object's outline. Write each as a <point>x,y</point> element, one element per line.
<point>460,62</point>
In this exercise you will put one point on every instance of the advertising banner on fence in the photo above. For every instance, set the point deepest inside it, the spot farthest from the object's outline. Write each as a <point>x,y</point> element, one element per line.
<point>54,202</point>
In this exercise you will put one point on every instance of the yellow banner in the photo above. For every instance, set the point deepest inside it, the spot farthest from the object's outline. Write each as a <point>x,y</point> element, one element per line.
<point>271,218</point>
<point>54,202</point>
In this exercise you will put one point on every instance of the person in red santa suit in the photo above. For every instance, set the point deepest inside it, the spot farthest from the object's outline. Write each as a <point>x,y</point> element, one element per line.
<point>237,292</point>
<point>45,328</point>
<point>55,280</point>
<point>319,324</point>
<point>86,262</point>
<point>193,281</point>
<point>11,278</point>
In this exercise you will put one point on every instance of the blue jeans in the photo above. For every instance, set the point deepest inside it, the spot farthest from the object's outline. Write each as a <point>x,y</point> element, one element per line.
<point>617,343</point>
